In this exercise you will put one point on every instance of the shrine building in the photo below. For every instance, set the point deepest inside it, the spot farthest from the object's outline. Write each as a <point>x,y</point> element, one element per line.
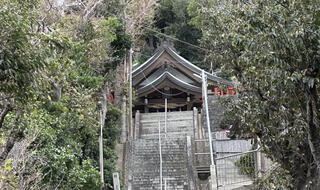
<point>167,75</point>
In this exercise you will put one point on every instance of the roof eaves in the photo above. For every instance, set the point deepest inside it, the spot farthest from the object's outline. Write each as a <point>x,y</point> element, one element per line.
<point>147,63</point>
<point>172,79</point>
<point>199,70</point>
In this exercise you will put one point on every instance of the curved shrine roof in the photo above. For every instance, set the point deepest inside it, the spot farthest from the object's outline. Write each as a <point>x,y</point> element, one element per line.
<point>148,75</point>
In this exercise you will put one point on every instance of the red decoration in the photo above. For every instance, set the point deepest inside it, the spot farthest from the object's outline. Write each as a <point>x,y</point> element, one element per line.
<point>111,97</point>
<point>216,91</point>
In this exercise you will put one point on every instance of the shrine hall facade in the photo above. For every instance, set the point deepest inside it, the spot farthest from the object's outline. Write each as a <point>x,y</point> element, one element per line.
<point>167,75</point>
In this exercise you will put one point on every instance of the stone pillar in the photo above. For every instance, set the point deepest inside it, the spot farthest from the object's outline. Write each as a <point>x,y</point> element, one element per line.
<point>123,137</point>
<point>137,125</point>
<point>191,178</point>
<point>200,125</point>
<point>195,123</point>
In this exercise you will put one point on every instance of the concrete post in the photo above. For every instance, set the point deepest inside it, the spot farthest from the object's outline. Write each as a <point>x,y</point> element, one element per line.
<point>130,93</point>
<point>213,177</point>
<point>160,156</point>
<point>195,123</point>
<point>190,164</point>
<point>123,120</point>
<point>200,122</point>
<point>137,125</point>
<point>129,162</point>
<point>205,98</point>
<point>116,181</point>
<point>165,116</point>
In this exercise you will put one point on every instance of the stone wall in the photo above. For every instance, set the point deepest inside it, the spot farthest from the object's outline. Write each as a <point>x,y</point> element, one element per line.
<point>215,113</point>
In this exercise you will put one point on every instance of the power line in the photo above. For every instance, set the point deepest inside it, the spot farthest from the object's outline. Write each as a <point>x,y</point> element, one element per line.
<point>168,36</point>
<point>148,55</point>
<point>176,39</point>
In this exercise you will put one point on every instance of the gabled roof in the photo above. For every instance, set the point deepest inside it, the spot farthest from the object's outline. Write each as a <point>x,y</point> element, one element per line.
<point>182,62</point>
<point>170,70</point>
<point>168,76</point>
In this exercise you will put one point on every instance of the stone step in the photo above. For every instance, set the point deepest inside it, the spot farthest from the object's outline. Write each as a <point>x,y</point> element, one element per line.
<point>178,135</point>
<point>169,132</point>
<point>169,114</point>
<point>156,147</point>
<point>172,127</point>
<point>173,121</point>
<point>169,128</point>
<point>145,163</point>
<point>155,142</point>
<point>171,118</point>
<point>176,174</point>
<point>166,152</point>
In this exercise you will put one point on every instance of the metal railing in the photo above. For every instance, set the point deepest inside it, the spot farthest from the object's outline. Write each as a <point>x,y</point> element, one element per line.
<point>236,170</point>
<point>233,170</point>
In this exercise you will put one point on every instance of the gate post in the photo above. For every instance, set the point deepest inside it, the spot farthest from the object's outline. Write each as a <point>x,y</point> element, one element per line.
<point>213,178</point>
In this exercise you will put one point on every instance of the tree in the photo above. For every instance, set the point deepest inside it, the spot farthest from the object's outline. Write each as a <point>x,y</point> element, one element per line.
<point>172,18</point>
<point>22,53</point>
<point>272,49</point>
<point>55,62</point>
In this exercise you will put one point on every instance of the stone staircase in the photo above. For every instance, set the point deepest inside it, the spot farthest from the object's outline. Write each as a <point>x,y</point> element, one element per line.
<point>146,164</point>
<point>179,125</point>
<point>144,161</point>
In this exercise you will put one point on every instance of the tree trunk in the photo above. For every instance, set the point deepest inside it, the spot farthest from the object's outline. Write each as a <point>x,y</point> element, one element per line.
<point>313,128</point>
<point>4,112</point>
<point>58,91</point>
<point>15,135</point>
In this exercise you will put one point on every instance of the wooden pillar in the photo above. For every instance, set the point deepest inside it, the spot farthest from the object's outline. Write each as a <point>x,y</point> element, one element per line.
<point>189,104</point>
<point>146,109</point>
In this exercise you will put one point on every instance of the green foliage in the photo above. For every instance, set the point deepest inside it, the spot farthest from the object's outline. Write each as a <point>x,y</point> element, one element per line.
<point>111,133</point>
<point>172,18</point>
<point>112,130</point>
<point>272,49</point>
<point>120,45</point>
<point>277,180</point>
<point>57,77</point>
<point>246,165</point>
<point>21,50</point>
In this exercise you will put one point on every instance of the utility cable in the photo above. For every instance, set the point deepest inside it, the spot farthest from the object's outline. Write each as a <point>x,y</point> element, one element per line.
<point>176,39</point>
